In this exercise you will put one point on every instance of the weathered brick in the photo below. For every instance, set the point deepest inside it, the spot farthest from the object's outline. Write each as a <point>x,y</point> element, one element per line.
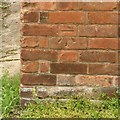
<point>68,56</point>
<point>118,69</point>
<point>33,79</point>
<point>43,17</point>
<point>116,81</point>
<point>118,57</point>
<point>97,56</point>
<point>103,43</point>
<point>44,67</point>
<point>37,6</point>
<point>65,80</point>
<point>36,54</point>
<point>103,69</point>
<point>68,30</point>
<point>96,80</point>
<point>103,17</point>
<point>68,43</point>
<point>29,67</point>
<point>42,92</point>
<point>73,92</point>
<point>98,6</point>
<point>109,91</point>
<point>24,102</point>
<point>29,42</point>
<point>98,30</point>
<point>39,30</point>
<point>66,17</point>
<point>67,5</point>
<point>68,68</point>
<point>34,41</point>
<point>26,92</point>
<point>29,16</point>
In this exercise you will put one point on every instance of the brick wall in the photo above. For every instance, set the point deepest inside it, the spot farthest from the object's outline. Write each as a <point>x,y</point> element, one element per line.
<point>68,49</point>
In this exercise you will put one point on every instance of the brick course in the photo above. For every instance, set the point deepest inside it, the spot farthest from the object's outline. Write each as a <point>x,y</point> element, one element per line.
<point>68,48</point>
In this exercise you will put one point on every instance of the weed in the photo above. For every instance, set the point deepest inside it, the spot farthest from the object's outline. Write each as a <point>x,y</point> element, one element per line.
<point>4,5</point>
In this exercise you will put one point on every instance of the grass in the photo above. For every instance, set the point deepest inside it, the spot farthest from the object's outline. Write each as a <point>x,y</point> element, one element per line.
<point>10,93</point>
<point>79,108</point>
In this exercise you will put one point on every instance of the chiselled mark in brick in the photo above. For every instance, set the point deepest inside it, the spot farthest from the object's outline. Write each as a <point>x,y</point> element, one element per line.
<point>71,43</point>
<point>73,40</point>
<point>60,40</point>
<point>66,44</point>
<point>68,30</point>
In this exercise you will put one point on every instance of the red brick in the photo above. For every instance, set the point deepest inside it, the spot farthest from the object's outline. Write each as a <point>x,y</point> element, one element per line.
<point>46,6</point>
<point>98,6</point>
<point>118,57</point>
<point>87,30</point>
<point>103,17</point>
<point>67,5</point>
<point>118,69</point>
<point>44,67</point>
<point>43,42</point>
<point>118,44</point>
<point>29,16</point>
<point>103,43</point>
<point>31,79</point>
<point>36,54</point>
<point>39,30</point>
<point>66,17</point>
<point>37,6</point>
<point>68,68</point>
<point>107,31</point>
<point>68,30</point>
<point>98,56</point>
<point>30,67</point>
<point>99,80</point>
<point>102,69</point>
<point>68,43</point>
<point>68,56</point>
<point>98,30</point>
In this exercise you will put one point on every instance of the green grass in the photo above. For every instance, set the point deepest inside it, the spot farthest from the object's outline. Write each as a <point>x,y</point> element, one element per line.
<point>10,93</point>
<point>79,108</point>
